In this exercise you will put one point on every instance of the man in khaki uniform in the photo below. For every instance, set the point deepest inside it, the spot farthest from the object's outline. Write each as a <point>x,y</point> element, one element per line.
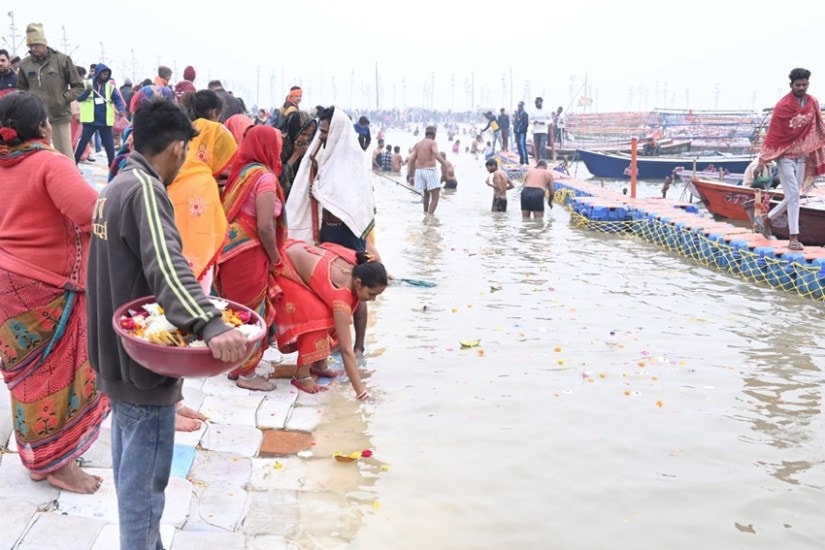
<point>53,76</point>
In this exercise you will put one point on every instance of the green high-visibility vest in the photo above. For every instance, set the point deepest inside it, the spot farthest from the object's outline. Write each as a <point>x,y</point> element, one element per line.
<point>87,106</point>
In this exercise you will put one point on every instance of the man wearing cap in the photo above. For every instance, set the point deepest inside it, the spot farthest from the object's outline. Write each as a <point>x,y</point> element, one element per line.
<point>53,76</point>
<point>187,84</point>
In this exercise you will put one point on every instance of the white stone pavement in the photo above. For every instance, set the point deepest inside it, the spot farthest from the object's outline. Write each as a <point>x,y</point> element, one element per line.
<point>222,493</point>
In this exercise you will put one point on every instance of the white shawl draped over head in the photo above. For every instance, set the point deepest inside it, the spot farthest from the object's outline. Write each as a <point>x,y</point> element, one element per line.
<point>342,186</point>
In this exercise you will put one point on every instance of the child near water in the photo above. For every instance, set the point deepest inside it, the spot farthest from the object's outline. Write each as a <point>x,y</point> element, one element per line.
<point>500,182</point>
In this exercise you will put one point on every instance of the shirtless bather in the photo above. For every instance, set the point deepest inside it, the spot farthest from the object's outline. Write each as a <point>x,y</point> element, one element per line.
<point>538,184</point>
<point>448,173</point>
<point>422,169</point>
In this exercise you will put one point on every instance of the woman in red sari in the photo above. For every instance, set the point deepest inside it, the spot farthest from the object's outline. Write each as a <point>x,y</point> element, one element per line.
<point>322,286</point>
<point>45,225</point>
<point>253,202</point>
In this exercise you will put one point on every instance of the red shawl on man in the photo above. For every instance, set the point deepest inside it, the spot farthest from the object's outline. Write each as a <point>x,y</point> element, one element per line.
<point>796,131</point>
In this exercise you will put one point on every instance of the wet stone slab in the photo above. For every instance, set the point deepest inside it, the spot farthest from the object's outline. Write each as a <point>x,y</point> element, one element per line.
<point>54,530</point>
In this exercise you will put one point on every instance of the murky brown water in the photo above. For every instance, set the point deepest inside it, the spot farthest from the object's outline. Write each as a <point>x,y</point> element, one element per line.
<point>702,428</point>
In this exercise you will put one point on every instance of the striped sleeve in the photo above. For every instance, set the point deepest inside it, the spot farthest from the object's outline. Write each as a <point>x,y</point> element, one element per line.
<point>164,266</point>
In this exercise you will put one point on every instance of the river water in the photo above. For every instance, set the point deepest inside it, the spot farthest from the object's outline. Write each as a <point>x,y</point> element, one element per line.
<point>699,427</point>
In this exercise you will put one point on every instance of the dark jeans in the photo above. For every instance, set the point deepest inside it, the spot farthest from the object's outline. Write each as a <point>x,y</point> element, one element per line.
<point>505,139</point>
<point>106,137</point>
<point>540,146</point>
<point>521,143</point>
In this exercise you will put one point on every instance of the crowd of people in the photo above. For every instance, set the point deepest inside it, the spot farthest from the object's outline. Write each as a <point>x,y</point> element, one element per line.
<point>275,212</point>
<point>197,206</point>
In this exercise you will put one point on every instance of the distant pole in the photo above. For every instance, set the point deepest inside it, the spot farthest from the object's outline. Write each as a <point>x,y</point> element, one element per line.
<point>432,90</point>
<point>102,53</point>
<point>134,65</point>
<point>377,98</point>
<point>473,91</point>
<point>634,146</point>
<point>511,88</point>
<point>258,88</point>
<point>13,34</point>
<point>65,40</point>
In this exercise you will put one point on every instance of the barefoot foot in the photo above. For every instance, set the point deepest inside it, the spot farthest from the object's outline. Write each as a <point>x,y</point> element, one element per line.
<point>324,371</point>
<point>307,384</point>
<point>255,383</point>
<point>190,413</point>
<point>72,478</point>
<point>184,424</point>
<point>37,477</point>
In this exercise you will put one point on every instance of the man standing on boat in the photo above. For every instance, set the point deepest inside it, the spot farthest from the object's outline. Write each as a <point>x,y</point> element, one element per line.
<point>796,141</point>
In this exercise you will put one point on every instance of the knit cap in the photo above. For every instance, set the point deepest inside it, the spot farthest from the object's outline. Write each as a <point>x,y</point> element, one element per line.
<point>189,73</point>
<point>35,34</point>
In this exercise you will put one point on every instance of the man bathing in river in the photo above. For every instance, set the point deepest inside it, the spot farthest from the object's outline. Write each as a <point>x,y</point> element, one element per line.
<point>538,184</point>
<point>422,169</point>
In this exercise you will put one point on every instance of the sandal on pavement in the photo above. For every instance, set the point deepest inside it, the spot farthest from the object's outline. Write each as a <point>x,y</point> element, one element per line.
<point>303,384</point>
<point>796,245</point>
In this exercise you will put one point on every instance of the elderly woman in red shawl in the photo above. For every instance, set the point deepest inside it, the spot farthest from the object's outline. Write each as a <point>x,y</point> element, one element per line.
<point>253,202</point>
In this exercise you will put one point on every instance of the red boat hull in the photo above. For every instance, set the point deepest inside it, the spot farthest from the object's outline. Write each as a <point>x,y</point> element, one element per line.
<point>811,223</point>
<point>726,200</point>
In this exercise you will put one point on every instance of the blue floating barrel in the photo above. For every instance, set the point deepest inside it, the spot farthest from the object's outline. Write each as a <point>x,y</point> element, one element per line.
<point>739,251</point>
<point>781,272</point>
<point>754,263</point>
<point>810,278</point>
<point>707,248</point>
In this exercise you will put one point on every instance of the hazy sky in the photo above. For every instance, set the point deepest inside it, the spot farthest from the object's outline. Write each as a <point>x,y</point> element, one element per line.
<point>632,55</point>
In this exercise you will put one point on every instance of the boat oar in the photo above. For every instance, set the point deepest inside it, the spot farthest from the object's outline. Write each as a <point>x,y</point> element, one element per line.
<point>407,187</point>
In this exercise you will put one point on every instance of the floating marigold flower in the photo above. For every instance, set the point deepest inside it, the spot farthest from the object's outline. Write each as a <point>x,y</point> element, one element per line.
<point>659,404</point>
<point>557,349</point>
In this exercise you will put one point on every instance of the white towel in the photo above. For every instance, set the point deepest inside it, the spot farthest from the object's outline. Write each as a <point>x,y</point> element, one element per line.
<point>343,184</point>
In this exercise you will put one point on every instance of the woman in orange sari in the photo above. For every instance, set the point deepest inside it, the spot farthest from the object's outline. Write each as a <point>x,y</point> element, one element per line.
<point>195,193</point>
<point>322,286</point>
<point>254,203</point>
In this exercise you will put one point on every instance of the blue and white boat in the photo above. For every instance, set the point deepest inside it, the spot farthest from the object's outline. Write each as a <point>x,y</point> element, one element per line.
<point>617,165</point>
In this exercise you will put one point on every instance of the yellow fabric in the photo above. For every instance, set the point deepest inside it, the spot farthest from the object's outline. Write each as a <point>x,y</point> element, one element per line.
<point>199,213</point>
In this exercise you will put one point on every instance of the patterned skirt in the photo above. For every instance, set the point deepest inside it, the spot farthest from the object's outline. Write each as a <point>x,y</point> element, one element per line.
<point>56,408</point>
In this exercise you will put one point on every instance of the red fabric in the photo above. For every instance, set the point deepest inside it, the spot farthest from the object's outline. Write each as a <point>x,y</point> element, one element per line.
<point>238,125</point>
<point>304,310</point>
<point>796,131</point>
<point>262,145</point>
<point>46,218</point>
<point>243,270</point>
<point>183,87</point>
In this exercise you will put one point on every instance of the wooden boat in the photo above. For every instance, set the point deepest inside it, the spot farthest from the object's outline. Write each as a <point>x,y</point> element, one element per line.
<point>726,199</point>
<point>811,221</point>
<point>570,150</point>
<point>617,165</point>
